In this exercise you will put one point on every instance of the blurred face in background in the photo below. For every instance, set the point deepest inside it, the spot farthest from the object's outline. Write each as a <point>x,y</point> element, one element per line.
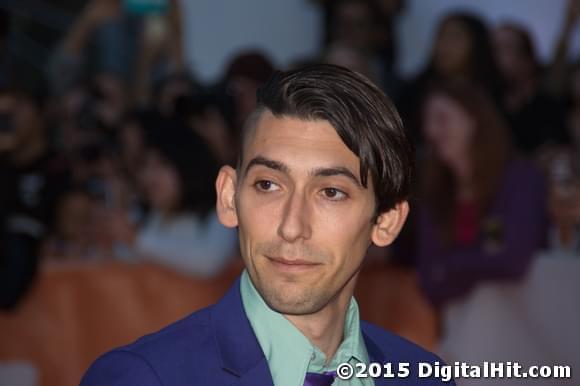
<point>21,122</point>
<point>346,56</point>
<point>574,85</point>
<point>354,25</point>
<point>171,91</point>
<point>448,129</point>
<point>244,91</point>
<point>160,183</point>
<point>75,217</point>
<point>132,144</point>
<point>512,58</point>
<point>573,118</point>
<point>113,99</point>
<point>453,49</point>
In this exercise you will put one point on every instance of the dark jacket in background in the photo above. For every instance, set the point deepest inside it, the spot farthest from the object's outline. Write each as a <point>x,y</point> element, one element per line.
<point>512,230</point>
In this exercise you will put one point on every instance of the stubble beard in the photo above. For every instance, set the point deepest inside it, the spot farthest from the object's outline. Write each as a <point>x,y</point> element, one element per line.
<point>294,301</point>
<point>291,296</point>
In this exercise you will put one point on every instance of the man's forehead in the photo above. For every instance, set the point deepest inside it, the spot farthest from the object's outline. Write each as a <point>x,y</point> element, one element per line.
<point>297,141</point>
<point>301,149</point>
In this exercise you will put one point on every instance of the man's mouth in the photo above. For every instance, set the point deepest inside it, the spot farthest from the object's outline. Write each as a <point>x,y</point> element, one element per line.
<point>292,265</point>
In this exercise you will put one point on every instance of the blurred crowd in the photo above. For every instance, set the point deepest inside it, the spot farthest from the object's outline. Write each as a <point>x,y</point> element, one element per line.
<point>112,152</point>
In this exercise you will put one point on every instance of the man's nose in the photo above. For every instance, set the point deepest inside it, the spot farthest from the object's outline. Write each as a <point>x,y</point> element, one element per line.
<point>295,223</point>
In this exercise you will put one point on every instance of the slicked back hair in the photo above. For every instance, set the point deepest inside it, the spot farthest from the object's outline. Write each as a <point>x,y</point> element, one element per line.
<point>362,115</point>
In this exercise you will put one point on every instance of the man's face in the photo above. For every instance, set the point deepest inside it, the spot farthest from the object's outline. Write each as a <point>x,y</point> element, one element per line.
<point>304,219</point>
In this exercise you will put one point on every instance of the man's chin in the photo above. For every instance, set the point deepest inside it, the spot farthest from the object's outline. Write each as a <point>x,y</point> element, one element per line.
<point>285,301</point>
<point>293,309</point>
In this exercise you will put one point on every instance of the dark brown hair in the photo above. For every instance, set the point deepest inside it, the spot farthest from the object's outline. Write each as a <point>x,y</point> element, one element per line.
<point>490,151</point>
<point>526,43</point>
<point>481,67</point>
<point>362,115</point>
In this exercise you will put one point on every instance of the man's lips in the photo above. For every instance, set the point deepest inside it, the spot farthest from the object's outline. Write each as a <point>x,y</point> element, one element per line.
<point>291,264</point>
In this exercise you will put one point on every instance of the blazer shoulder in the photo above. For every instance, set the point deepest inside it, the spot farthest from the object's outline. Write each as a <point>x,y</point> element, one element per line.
<point>192,328</point>
<point>178,350</point>
<point>121,367</point>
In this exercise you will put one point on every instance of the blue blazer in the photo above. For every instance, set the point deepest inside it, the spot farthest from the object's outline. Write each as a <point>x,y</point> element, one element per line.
<point>217,346</point>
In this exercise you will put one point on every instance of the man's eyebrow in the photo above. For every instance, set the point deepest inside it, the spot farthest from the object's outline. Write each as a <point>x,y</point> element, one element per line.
<point>336,171</point>
<point>318,172</point>
<point>269,163</point>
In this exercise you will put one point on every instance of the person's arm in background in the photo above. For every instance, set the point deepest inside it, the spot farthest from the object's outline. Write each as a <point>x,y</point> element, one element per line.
<point>66,64</point>
<point>18,266</point>
<point>177,55</point>
<point>161,41</point>
<point>20,236</point>
<point>203,251</point>
<point>558,69</point>
<point>447,274</point>
<point>199,248</point>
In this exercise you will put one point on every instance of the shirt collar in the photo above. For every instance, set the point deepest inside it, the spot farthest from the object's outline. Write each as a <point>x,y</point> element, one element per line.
<point>288,352</point>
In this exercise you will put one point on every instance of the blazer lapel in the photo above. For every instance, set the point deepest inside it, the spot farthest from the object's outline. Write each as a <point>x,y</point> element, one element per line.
<point>257,375</point>
<point>375,355</point>
<point>240,353</point>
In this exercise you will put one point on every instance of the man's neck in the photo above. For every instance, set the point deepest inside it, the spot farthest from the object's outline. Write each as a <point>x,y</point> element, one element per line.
<point>325,329</point>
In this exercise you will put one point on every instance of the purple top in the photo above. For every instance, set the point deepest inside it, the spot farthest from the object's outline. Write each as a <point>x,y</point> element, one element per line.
<point>513,229</point>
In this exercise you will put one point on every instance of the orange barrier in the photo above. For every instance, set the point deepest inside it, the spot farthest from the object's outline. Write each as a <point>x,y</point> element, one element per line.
<point>76,312</point>
<point>390,297</point>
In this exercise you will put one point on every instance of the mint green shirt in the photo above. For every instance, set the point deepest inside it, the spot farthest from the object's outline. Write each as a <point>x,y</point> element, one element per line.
<point>289,353</point>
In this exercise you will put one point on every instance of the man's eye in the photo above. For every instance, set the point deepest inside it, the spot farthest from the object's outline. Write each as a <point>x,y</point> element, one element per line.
<point>334,194</point>
<point>266,186</point>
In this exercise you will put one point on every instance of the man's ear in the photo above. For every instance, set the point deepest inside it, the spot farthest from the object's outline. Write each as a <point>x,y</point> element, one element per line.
<point>389,224</point>
<point>225,186</point>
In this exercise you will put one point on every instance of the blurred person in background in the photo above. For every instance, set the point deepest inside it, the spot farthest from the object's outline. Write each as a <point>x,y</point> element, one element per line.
<point>564,204</point>
<point>389,11</point>
<point>562,167</point>
<point>117,54</point>
<point>572,97</point>
<point>169,90</point>
<point>245,73</point>
<point>105,174</point>
<point>72,234</point>
<point>462,51</point>
<point>482,212</point>
<point>4,57</point>
<point>181,229</point>
<point>132,142</point>
<point>89,115</point>
<point>344,55</point>
<point>129,42</point>
<point>366,27</point>
<point>33,178</point>
<point>558,72</point>
<point>207,114</point>
<point>536,118</point>
<point>161,53</point>
<point>561,163</point>
<point>102,39</point>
